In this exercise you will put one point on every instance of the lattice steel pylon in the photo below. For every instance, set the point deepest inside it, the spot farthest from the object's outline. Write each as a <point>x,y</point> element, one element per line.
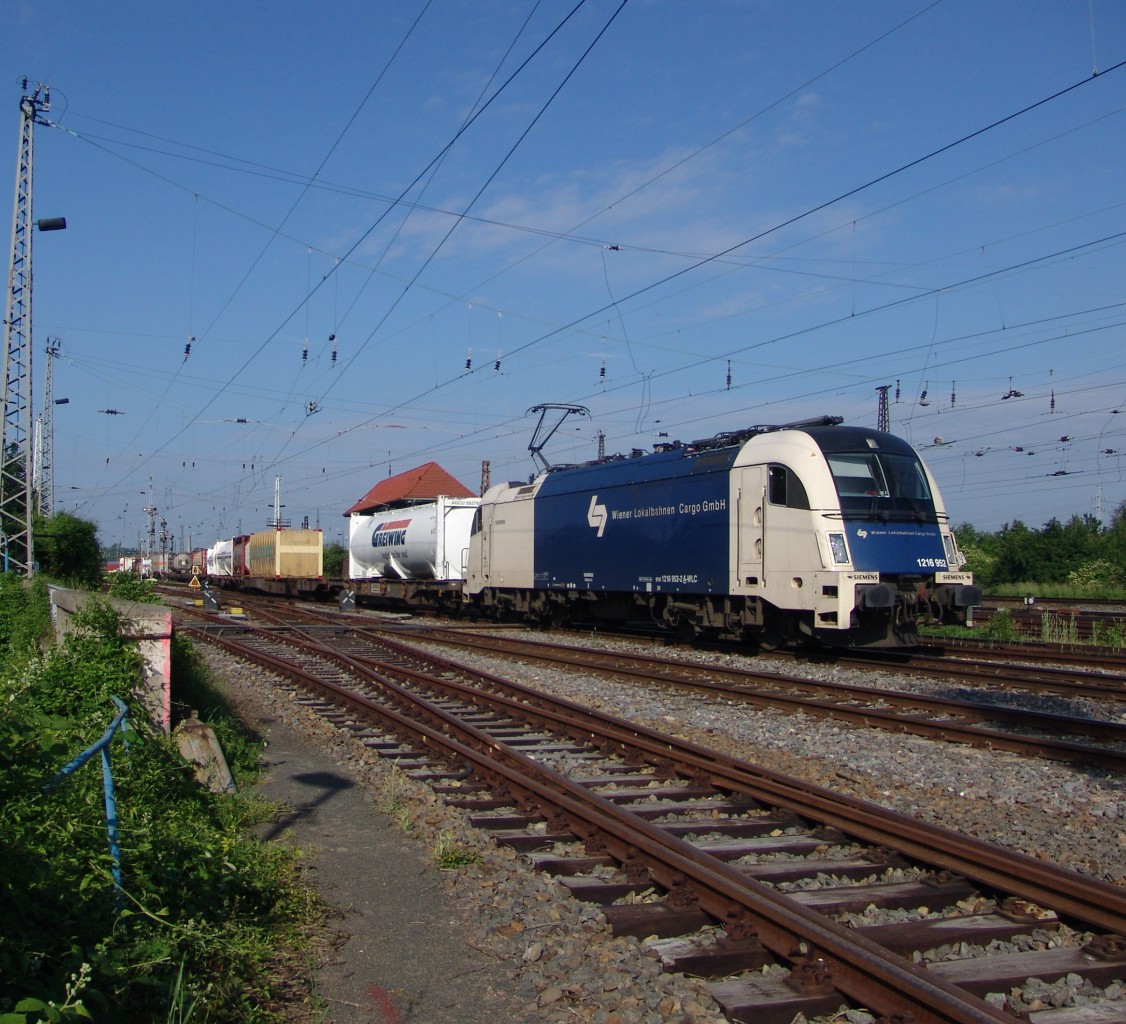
<point>883,419</point>
<point>17,539</point>
<point>43,475</point>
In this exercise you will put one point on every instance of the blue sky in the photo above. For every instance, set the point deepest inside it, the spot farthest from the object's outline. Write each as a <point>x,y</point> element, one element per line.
<point>686,217</point>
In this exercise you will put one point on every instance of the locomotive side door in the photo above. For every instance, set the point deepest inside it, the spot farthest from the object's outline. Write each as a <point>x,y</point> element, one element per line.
<point>749,528</point>
<point>477,558</point>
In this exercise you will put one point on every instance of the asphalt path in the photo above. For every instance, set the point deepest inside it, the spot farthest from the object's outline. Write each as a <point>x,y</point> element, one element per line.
<point>403,957</point>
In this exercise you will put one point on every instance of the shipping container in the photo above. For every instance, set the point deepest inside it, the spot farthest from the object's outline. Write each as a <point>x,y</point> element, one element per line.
<point>240,555</point>
<point>219,559</point>
<point>280,554</point>
<point>420,542</point>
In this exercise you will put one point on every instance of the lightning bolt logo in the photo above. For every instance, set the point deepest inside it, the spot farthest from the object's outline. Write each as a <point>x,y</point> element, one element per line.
<point>596,515</point>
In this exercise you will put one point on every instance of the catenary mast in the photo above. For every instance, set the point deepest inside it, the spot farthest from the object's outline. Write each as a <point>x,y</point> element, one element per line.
<point>16,539</point>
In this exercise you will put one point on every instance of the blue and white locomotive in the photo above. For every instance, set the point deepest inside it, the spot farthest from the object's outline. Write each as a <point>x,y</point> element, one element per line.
<point>807,532</point>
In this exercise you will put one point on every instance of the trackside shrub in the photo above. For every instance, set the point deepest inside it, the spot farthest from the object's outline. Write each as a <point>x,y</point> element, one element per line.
<point>204,907</point>
<point>1001,626</point>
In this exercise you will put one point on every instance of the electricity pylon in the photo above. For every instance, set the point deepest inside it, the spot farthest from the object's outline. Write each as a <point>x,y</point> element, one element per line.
<point>16,539</point>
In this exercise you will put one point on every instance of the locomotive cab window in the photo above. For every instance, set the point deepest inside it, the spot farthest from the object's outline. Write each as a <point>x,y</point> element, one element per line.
<point>882,482</point>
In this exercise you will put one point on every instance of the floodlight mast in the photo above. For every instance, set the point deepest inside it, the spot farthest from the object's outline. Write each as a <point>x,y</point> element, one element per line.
<point>16,443</point>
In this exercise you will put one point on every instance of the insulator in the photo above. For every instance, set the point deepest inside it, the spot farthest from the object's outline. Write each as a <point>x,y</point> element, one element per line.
<point>496,366</point>
<point>953,396</point>
<point>1052,403</point>
<point>728,374</point>
<point>897,391</point>
<point>602,371</point>
<point>469,363</point>
<point>304,355</point>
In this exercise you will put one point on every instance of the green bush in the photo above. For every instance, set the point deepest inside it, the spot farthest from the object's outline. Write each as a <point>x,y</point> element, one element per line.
<point>204,905</point>
<point>1109,634</point>
<point>132,588</point>
<point>1001,626</point>
<point>1097,575</point>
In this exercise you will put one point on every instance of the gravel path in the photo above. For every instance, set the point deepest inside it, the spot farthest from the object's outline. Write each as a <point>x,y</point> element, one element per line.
<point>560,961</point>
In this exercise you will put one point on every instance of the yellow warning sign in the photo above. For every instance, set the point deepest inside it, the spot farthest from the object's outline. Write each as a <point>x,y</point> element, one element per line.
<point>194,585</point>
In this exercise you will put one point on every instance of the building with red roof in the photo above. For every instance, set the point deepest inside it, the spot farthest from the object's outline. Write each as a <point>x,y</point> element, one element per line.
<point>414,487</point>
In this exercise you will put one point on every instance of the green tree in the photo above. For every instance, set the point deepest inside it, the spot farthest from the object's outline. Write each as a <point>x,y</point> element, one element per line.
<point>975,547</point>
<point>1015,559</point>
<point>334,558</point>
<point>67,549</point>
<point>1114,539</point>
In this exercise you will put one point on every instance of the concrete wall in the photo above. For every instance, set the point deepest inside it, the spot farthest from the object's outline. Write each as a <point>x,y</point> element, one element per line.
<point>149,625</point>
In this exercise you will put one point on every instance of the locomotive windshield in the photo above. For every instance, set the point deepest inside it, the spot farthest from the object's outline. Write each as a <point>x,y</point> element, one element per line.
<point>882,484</point>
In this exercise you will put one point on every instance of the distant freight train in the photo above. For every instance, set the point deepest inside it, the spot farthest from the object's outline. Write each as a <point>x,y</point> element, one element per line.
<point>805,532</point>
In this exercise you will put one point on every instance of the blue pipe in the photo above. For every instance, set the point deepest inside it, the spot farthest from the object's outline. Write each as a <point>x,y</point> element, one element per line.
<point>102,746</point>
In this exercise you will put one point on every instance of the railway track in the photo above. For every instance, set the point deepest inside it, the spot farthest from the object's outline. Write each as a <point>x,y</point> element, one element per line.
<point>673,838</point>
<point>978,723</point>
<point>946,719</point>
<point>1093,677</point>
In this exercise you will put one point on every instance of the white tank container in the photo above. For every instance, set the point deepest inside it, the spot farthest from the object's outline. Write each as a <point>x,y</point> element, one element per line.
<point>423,542</point>
<point>219,559</point>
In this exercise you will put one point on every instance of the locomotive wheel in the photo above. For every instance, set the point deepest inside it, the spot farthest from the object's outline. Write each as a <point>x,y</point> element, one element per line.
<point>771,642</point>
<point>773,636</point>
<point>686,630</point>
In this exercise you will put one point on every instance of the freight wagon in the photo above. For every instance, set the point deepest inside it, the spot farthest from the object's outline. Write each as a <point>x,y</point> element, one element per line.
<point>415,555</point>
<point>289,563</point>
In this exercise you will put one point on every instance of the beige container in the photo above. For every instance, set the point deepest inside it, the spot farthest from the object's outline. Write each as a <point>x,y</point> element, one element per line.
<point>287,553</point>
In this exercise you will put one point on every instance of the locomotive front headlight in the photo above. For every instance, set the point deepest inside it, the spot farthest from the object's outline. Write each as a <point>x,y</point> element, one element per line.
<point>839,548</point>
<point>952,559</point>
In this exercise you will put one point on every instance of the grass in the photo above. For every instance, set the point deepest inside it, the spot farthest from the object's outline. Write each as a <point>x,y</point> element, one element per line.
<point>1057,591</point>
<point>450,854</point>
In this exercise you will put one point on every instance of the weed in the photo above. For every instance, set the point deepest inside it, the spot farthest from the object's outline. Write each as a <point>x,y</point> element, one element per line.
<point>1057,629</point>
<point>1109,634</point>
<point>450,854</point>
<point>392,798</point>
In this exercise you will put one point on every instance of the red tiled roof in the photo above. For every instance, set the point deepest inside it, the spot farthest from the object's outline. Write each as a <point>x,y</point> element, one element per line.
<point>421,484</point>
